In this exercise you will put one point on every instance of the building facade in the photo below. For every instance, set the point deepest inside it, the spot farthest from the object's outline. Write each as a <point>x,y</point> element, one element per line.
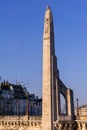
<point>12,99</point>
<point>16,101</point>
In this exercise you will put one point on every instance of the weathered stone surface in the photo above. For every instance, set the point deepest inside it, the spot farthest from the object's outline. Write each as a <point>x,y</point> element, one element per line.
<point>48,108</point>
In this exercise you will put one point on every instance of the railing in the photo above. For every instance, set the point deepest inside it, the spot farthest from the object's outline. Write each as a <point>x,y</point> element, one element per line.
<point>22,121</point>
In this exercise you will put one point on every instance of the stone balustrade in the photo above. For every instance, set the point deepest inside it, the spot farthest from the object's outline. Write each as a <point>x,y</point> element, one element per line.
<point>8,122</point>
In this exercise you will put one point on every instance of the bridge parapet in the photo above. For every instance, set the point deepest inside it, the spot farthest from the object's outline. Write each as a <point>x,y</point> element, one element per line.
<point>16,121</point>
<point>64,118</point>
<point>65,125</point>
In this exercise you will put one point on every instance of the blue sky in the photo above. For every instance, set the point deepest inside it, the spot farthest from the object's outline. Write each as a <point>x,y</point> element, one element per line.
<point>21,31</point>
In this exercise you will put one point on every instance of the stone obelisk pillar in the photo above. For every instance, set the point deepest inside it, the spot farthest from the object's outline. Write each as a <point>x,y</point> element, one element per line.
<point>49,68</point>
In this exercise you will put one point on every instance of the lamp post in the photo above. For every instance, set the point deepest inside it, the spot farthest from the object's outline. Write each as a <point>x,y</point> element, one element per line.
<point>77,109</point>
<point>27,105</point>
